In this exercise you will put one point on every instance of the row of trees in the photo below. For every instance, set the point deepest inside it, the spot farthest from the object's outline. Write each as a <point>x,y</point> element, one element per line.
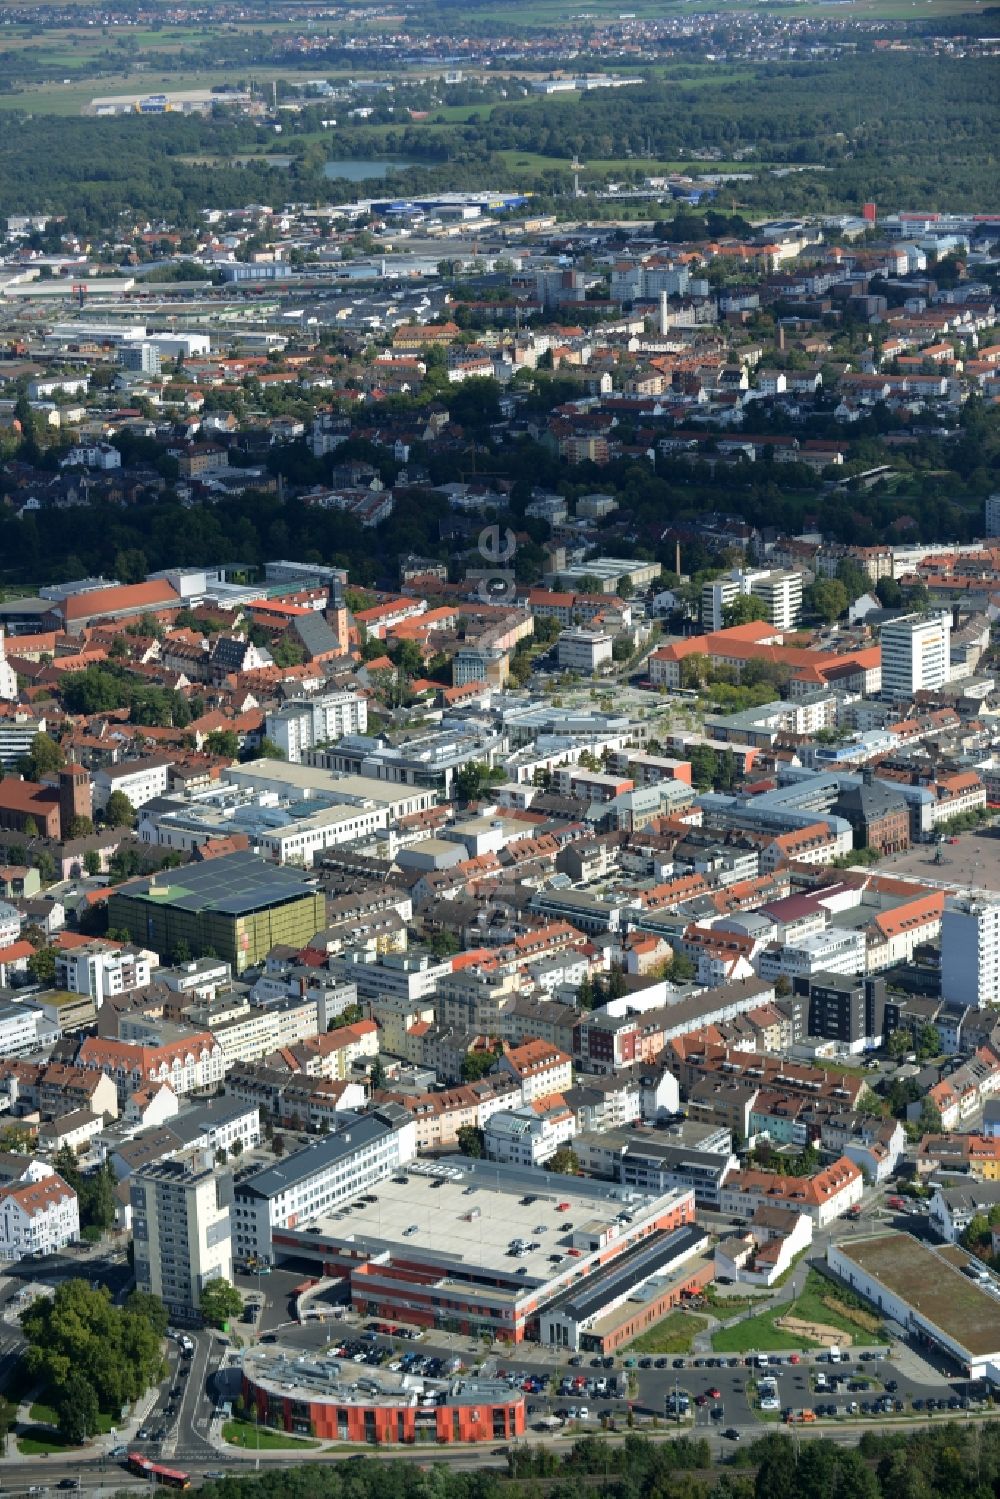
<point>944,1462</point>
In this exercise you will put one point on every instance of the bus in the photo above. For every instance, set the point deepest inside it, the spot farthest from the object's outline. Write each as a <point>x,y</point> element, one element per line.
<point>143,1468</point>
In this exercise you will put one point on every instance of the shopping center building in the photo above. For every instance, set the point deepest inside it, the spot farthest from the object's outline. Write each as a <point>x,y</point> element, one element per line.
<point>476,1248</point>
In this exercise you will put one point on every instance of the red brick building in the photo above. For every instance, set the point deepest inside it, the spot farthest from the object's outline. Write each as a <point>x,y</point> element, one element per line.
<point>24,802</point>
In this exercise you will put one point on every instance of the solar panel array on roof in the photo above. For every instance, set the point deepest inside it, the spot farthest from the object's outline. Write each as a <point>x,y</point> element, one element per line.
<point>629,1272</point>
<point>236,883</point>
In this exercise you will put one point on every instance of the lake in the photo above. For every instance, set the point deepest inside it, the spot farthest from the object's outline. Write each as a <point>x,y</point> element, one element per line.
<point>359,169</point>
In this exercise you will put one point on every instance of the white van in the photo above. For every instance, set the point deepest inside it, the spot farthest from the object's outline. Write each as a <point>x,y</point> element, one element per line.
<point>835,1354</point>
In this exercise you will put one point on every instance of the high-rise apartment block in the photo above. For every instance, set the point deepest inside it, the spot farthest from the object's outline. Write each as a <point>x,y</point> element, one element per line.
<point>182,1230</point>
<point>916,654</point>
<point>970,949</point>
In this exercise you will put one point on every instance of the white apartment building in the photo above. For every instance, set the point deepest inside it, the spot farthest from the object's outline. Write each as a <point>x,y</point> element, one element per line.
<point>39,1213</point>
<point>140,780</point>
<point>539,1068</point>
<point>360,1151</point>
<point>104,972</point>
<point>16,735</point>
<point>780,589</point>
<point>585,651</point>
<point>525,1137</point>
<point>400,976</point>
<point>254,1030</point>
<point>23,1029</point>
<point>8,676</point>
<point>10,923</point>
<point>781,592</point>
<point>916,654</point>
<point>195,1063</point>
<point>827,1195</point>
<point>181,1230</point>
<point>306,722</point>
<point>836,950</point>
<point>970,950</point>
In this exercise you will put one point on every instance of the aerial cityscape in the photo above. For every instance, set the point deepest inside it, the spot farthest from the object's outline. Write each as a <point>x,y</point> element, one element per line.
<point>500,749</point>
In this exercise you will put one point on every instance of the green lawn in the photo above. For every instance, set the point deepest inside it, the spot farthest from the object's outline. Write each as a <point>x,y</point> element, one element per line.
<point>758,1333</point>
<point>810,1305</point>
<point>45,1415</point>
<point>761,1333</point>
<point>262,1438</point>
<point>674,1334</point>
<point>39,1441</point>
<point>727,1307</point>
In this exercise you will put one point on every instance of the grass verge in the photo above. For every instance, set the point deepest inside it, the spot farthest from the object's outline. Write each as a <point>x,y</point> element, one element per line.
<point>261,1438</point>
<point>40,1441</point>
<point>675,1333</point>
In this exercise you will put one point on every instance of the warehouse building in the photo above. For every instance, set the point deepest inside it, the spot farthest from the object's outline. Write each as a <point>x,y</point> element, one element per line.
<point>935,1294</point>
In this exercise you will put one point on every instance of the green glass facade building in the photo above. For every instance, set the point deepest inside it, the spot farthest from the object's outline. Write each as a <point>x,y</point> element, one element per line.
<point>238,907</point>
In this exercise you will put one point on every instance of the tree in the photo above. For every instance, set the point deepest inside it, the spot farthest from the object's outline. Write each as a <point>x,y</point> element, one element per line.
<point>565,1162</point>
<point>929,1119</point>
<point>268,750</point>
<point>470,1141</point>
<point>79,1330</point>
<point>119,811</point>
<point>899,1043</point>
<point>79,827</point>
<point>150,1308</point>
<point>476,1064</point>
<point>828,597</point>
<point>744,611</point>
<point>682,968</point>
<point>444,944</point>
<point>616,982</point>
<point>288,651</point>
<point>219,1302</point>
<point>42,965</point>
<point>889,593</point>
<point>703,766</point>
<point>854,577</point>
<point>42,759</point>
<point>77,1410</point>
<point>91,862</point>
<point>377,1074</point>
<point>223,742</point>
<point>408,657</point>
<point>928,1042</point>
<point>474,778</point>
